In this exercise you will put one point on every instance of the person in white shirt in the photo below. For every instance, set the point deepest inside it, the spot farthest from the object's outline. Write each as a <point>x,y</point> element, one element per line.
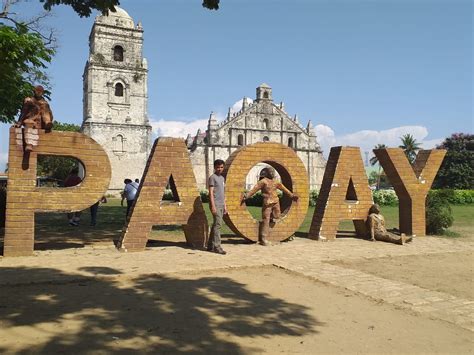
<point>129,193</point>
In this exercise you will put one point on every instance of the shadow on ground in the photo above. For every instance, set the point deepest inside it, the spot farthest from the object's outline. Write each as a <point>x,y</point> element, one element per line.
<point>152,313</point>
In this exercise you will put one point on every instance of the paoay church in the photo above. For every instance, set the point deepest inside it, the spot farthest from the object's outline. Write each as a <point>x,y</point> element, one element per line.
<point>115,112</point>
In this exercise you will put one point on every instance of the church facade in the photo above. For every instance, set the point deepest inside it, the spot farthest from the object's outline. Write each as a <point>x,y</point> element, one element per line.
<point>258,121</point>
<point>115,95</point>
<point>115,112</point>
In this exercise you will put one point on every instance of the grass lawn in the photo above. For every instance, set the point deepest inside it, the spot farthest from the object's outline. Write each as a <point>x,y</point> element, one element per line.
<point>53,231</point>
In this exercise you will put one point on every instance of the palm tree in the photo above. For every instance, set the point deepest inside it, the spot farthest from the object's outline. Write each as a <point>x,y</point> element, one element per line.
<point>374,160</point>
<point>410,146</point>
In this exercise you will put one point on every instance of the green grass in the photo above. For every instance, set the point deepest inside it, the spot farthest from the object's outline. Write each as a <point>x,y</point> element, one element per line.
<point>53,231</point>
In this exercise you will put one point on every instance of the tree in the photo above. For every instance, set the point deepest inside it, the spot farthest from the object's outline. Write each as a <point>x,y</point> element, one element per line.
<point>26,49</point>
<point>57,167</point>
<point>410,146</point>
<point>374,160</point>
<point>457,169</point>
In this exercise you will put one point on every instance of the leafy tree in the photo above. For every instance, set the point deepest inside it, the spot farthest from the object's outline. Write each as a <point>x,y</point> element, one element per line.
<point>457,170</point>
<point>23,58</point>
<point>26,49</point>
<point>374,160</point>
<point>410,146</point>
<point>57,167</point>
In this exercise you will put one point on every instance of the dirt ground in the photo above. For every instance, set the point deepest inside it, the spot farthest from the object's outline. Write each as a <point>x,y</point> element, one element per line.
<point>231,311</point>
<point>452,273</point>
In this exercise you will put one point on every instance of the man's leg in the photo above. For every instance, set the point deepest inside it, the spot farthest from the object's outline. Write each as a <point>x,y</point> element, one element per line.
<point>129,206</point>
<point>216,228</point>
<point>93,210</point>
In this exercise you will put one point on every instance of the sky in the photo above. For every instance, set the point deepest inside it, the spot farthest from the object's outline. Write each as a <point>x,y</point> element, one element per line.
<point>363,71</point>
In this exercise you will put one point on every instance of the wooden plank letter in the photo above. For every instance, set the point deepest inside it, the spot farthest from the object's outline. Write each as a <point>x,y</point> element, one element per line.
<point>168,162</point>
<point>344,194</point>
<point>24,198</point>
<point>293,175</point>
<point>411,183</point>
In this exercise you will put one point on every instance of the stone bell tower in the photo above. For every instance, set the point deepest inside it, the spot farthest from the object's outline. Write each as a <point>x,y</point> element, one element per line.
<point>115,95</point>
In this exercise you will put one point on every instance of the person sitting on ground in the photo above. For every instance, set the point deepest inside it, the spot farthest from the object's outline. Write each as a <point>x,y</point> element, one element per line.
<point>271,202</point>
<point>377,231</point>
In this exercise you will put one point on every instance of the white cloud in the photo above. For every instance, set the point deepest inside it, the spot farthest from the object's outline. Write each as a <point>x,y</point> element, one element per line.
<point>367,139</point>
<point>238,105</point>
<point>174,128</point>
<point>181,128</point>
<point>3,161</point>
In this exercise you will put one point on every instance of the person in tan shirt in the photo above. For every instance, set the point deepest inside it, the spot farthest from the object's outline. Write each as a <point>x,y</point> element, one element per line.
<point>271,203</point>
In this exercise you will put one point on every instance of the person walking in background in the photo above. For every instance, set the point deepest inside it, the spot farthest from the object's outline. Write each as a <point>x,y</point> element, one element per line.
<point>217,205</point>
<point>73,179</point>
<point>129,193</point>
<point>94,208</point>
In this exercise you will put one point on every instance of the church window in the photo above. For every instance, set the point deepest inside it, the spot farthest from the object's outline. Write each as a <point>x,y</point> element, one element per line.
<point>118,54</point>
<point>240,139</point>
<point>119,143</point>
<point>265,95</point>
<point>265,139</point>
<point>290,142</point>
<point>118,89</point>
<point>266,124</point>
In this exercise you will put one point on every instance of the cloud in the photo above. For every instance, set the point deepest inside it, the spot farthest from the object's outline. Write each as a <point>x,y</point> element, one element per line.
<point>367,139</point>
<point>174,128</point>
<point>3,161</point>
<point>238,105</point>
<point>181,128</point>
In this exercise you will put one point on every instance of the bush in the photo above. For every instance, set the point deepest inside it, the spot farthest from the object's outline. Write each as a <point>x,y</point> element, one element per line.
<point>168,195</point>
<point>3,205</point>
<point>456,197</point>
<point>385,197</point>
<point>313,197</point>
<point>439,216</point>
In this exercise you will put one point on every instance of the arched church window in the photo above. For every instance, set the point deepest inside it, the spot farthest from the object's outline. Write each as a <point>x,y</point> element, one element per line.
<point>290,142</point>
<point>119,143</point>
<point>118,54</point>
<point>118,89</point>
<point>240,139</point>
<point>265,139</point>
<point>265,95</point>
<point>266,124</point>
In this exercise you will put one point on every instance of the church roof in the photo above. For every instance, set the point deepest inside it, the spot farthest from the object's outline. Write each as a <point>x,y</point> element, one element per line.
<point>119,18</point>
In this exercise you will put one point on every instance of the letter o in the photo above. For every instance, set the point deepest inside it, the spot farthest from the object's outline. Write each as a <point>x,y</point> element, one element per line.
<point>293,175</point>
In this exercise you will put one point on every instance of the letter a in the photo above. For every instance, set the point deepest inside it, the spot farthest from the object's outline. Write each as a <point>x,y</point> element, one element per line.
<point>411,183</point>
<point>344,194</point>
<point>168,162</point>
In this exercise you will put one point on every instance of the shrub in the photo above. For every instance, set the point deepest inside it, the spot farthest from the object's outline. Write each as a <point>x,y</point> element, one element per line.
<point>439,216</point>
<point>3,205</point>
<point>313,197</point>
<point>456,197</point>
<point>385,197</point>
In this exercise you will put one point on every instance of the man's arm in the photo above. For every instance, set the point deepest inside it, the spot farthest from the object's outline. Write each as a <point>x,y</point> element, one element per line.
<point>212,202</point>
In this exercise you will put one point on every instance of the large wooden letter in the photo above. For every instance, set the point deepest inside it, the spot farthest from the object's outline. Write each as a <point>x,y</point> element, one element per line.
<point>411,183</point>
<point>168,162</point>
<point>344,194</point>
<point>24,198</point>
<point>293,175</point>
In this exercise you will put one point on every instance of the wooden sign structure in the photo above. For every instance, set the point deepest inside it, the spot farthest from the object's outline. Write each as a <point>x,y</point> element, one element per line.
<point>344,193</point>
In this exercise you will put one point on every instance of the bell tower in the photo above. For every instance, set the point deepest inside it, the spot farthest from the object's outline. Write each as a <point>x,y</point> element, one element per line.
<point>115,95</point>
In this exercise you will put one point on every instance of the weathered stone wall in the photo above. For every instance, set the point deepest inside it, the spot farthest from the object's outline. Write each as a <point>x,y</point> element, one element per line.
<point>118,123</point>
